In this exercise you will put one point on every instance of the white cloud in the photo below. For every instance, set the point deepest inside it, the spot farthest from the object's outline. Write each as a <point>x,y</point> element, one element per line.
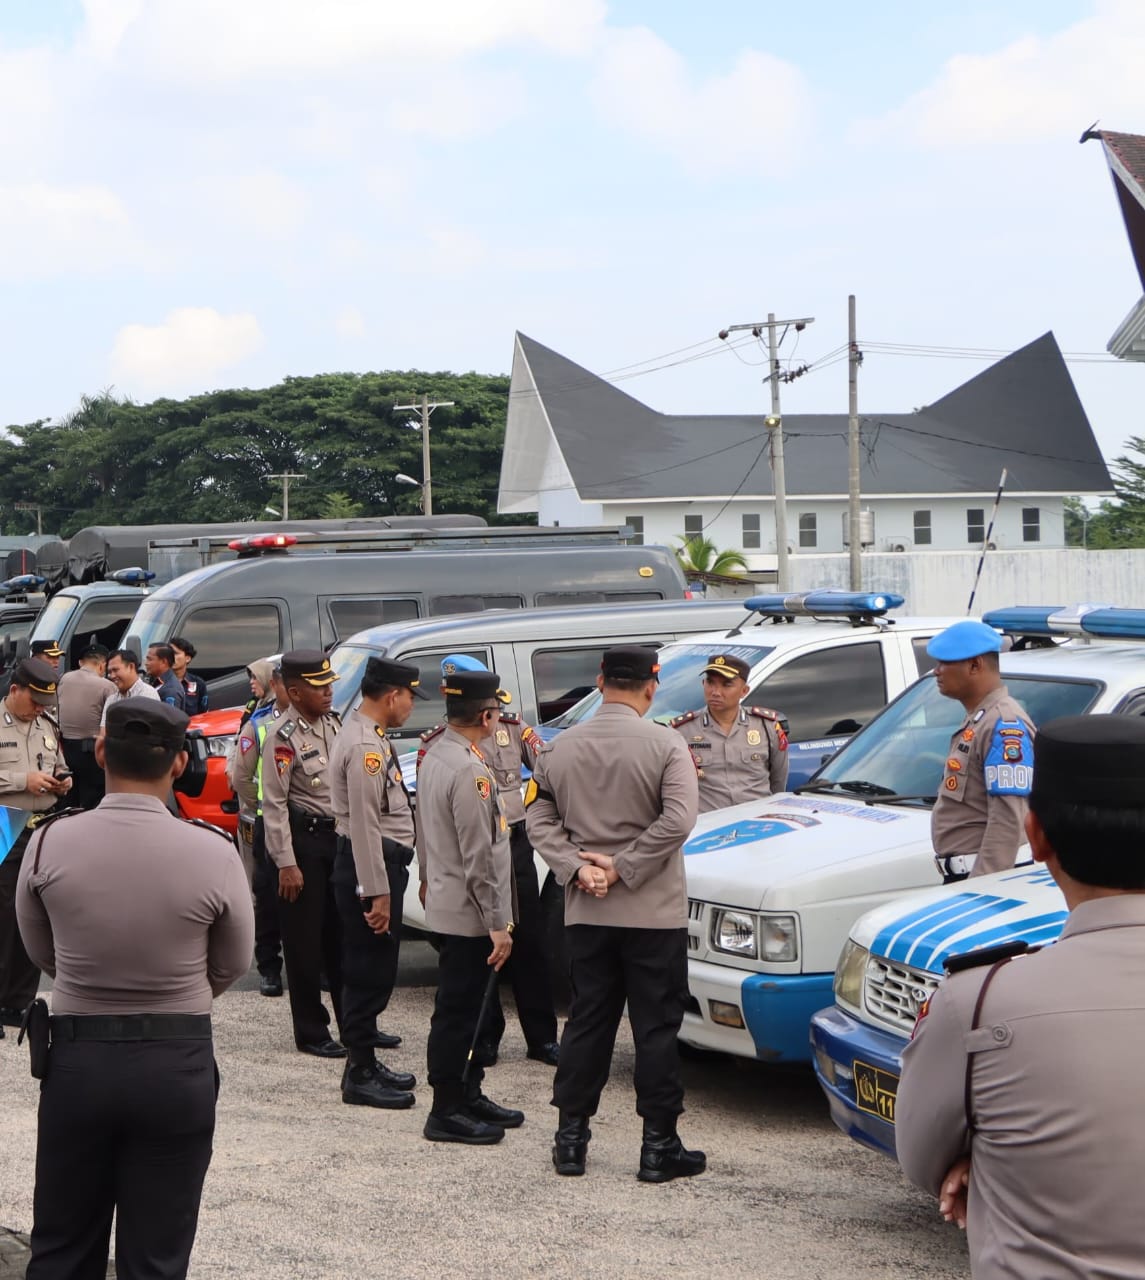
<point>106,22</point>
<point>190,348</point>
<point>745,119</point>
<point>459,106</point>
<point>350,323</point>
<point>270,204</point>
<point>56,230</point>
<point>1035,89</point>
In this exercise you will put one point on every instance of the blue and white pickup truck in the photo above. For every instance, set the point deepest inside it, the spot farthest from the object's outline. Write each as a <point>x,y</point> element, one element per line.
<point>893,958</point>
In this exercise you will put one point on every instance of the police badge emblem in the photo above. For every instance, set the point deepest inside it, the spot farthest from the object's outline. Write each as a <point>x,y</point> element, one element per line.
<point>753,737</point>
<point>484,790</point>
<point>502,737</point>
<point>372,763</point>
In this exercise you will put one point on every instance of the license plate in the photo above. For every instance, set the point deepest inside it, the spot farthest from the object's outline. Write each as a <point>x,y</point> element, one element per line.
<point>875,1091</point>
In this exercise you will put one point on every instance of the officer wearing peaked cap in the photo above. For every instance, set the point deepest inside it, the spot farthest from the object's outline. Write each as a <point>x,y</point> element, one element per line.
<point>514,744</point>
<point>298,825</point>
<point>374,822</point>
<point>463,851</point>
<point>32,766</point>
<point>976,823</point>
<point>740,752</point>
<point>1023,1080</point>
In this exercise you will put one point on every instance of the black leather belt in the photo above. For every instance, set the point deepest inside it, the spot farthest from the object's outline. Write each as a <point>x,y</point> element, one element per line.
<point>310,821</point>
<point>132,1026</point>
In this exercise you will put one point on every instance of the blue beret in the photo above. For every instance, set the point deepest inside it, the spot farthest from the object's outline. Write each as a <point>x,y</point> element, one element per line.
<point>967,639</point>
<point>456,662</point>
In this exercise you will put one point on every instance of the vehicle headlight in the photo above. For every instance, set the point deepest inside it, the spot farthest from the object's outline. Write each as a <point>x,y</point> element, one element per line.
<point>851,973</point>
<point>220,746</point>
<point>734,933</point>
<point>778,938</point>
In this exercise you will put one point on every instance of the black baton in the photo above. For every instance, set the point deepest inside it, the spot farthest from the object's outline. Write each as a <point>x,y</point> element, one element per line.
<point>486,1000</point>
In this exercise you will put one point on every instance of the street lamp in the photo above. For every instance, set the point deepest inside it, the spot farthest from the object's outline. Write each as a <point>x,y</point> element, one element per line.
<point>402,478</point>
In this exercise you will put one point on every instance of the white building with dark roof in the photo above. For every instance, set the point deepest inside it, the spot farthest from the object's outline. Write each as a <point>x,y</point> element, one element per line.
<point>1125,154</point>
<point>579,451</point>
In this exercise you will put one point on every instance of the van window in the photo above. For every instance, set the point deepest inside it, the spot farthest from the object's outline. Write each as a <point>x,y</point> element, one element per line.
<point>555,599</point>
<point>922,659</point>
<point>100,622</point>
<point>562,677</point>
<point>358,613</point>
<point>827,693</point>
<point>431,710</point>
<point>473,604</point>
<point>228,637</point>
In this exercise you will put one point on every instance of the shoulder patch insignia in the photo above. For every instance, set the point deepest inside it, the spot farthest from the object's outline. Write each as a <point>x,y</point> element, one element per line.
<point>531,737</point>
<point>510,717</point>
<point>531,790</point>
<point>245,744</point>
<point>372,763</point>
<point>430,734</point>
<point>764,713</point>
<point>679,720</point>
<point>484,787</point>
<point>286,728</point>
<point>283,759</point>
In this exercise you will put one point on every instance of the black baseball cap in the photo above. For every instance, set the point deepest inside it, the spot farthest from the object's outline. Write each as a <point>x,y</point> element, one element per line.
<point>630,662</point>
<point>38,677</point>
<point>1091,760</point>
<point>728,666</point>
<point>150,723</point>
<point>47,648</point>
<point>472,685</point>
<point>402,675</point>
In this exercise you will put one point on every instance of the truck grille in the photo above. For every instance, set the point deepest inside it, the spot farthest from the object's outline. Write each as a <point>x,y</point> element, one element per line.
<point>894,993</point>
<point>695,923</point>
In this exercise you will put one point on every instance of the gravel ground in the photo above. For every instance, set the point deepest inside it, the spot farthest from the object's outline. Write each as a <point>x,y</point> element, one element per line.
<point>302,1185</point>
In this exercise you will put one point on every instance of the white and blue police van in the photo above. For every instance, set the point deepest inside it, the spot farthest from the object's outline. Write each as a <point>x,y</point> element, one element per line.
<point>1066,662</point>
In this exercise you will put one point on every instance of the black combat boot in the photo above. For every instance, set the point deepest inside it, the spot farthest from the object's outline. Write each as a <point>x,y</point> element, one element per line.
<point>664,1157</point>
<point>570,1150</point>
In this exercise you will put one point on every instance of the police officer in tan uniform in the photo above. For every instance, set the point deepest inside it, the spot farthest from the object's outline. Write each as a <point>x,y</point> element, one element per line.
<point>81,695</point>
<point>740,752</point>
<point>298,823</point>
<point>614,799</point>
<point>32,769</point>
<point>1024,1076</point>
<point>375,828</point>
<point>512,745</point>
<point>463,855</point>
<point>976,823</point>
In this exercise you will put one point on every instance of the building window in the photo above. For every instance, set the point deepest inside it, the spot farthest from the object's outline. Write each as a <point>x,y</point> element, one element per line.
<point>636,524</point>
<point>808,534</point>
<point>922,528</point>
<point>693,526</point>
<point>751,532</point>
<point>975,525</point>
<point>1031,524</point>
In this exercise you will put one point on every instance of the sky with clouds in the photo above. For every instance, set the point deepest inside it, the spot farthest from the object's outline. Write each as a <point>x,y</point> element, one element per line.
<point>205,193</point>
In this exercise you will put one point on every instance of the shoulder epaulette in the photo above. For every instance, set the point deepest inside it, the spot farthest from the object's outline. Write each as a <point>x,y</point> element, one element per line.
<point>986,955</point>
<point>430,734</point>
<point>286,728</point>
<point>510,717</point>
<point>679,720</point>
<point>52,721</point>
<point>57,815</point>
<point>764,713</point>
<point>209,826</point>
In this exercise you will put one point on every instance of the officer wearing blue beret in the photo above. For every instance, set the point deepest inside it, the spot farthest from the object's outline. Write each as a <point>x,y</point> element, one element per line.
<point>977,822</point>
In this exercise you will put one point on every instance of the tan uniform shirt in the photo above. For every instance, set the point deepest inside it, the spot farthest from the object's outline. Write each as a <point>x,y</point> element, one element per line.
<point>512,745</point>
<point>462,841</point>
<point>746,763</point>
<point>25,747</point>
<point>295,775</point>
<point>969,817</point>
<point>369,798</point>
<point>81,695</point>
<point>1057,1096</point>
<point>133,910</point>
<point>625,786</point>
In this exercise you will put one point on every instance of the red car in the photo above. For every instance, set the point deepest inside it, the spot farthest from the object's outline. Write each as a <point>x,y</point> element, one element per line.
<point>220,729</point>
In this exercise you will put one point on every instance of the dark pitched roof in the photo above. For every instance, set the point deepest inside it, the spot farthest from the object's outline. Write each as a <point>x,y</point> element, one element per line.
<point>1022,413</point>
<point>1128,150</point>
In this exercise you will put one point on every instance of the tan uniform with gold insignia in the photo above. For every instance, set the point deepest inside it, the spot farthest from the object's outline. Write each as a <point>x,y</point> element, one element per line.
<point>746,763</point>
<point>25,747</point>
<point>980,812</point>
<point>513,744</point>
<point>295,775</point>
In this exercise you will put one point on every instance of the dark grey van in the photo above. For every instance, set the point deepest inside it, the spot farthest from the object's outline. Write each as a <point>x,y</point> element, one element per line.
<point>239,610</point>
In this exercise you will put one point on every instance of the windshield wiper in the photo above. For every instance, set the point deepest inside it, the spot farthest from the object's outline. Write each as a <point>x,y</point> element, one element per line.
<point>903,799</point>
<point>855,786</point>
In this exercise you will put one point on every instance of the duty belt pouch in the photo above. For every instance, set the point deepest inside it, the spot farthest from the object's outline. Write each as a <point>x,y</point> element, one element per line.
<point>35,1027</point>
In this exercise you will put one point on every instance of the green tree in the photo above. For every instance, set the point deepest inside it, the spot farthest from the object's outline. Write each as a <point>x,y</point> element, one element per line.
<point>340,506</point>
<point>1120,522</point>
<point>700,555</point>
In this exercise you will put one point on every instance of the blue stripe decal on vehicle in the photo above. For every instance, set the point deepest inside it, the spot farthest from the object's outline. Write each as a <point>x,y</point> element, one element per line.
<point>1041,926</point>
<point>927,938</point>
<point>896,940</point>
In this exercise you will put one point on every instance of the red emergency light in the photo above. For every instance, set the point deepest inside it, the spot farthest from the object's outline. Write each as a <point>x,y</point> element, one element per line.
<point>263,542</point>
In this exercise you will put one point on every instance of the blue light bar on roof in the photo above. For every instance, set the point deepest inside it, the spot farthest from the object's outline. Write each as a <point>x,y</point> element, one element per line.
<point>826,603</point>
<point>1101,621</point>
<point>131,577</point>
<point>24,582</point>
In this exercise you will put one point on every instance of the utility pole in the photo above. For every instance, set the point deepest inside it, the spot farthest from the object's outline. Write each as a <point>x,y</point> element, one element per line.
<point>425,408</point>
<point>854,504</point>
<point>33,506</point>
<point>774,424</point>
<point>286,477</point>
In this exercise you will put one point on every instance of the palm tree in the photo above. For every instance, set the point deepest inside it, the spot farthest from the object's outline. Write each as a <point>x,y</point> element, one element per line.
<point>700,555</point>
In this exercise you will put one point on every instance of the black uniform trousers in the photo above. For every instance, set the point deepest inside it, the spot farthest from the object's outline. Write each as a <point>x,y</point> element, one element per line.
<point>312,932</point>
<point>123,1127</point>
<point>88,782</point>
<point>462,975</point>
<point>19,977</point>
<point>264,888</point>
<point>527,969</point>
<point>369,960</point>
<point>607,966</point>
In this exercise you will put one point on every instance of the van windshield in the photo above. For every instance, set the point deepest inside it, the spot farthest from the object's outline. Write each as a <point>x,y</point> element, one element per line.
<point>52,623</point>
<point>153,623</point>
<point>681,668</point>
<point>349,660</point>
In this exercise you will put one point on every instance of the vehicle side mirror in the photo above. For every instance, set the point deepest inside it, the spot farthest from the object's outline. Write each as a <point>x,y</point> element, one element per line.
<point>841,727</point>
<point>194,777</point>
